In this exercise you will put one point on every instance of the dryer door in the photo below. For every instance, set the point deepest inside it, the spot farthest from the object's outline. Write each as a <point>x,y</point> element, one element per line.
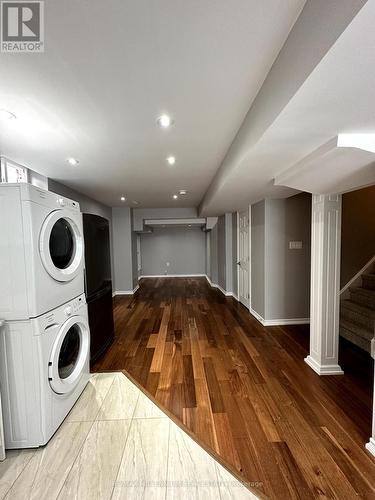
<point>61,246</point>
<point>70,354</point>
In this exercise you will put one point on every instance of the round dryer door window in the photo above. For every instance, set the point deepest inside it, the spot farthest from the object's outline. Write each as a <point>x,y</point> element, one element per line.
<point>70,355</point>
<point>61,246</point>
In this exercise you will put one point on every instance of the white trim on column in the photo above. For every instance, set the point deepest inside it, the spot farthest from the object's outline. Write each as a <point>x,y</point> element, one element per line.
<point>323,369</point>
<point>325,284</point>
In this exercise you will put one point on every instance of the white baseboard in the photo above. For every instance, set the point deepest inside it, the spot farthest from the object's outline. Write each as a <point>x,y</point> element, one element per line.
<point>370,446</point>
<point>125,292</point>
<point>224,292</point>
<point>279,322</point>
<point>323,369</point>
<point>172,276</point>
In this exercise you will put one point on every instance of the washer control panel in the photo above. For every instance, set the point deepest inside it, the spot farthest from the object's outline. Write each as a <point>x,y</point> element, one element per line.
<point>54,319</point>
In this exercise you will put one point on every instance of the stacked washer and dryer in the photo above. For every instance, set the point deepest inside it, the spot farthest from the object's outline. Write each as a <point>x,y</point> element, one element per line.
<point>45,344</point>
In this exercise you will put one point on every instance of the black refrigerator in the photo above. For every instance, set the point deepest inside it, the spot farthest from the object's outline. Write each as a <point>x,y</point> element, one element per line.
<point>98,283</point>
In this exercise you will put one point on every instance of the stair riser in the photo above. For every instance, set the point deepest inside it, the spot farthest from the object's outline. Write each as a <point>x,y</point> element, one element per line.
<point>358,341</point>
<point>368,282</point>
<point>357,318</point>
<point>362,300</point>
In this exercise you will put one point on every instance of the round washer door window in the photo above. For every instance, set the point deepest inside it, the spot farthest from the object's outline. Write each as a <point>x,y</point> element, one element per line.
<point>69,355</point>
<point>61,246</point>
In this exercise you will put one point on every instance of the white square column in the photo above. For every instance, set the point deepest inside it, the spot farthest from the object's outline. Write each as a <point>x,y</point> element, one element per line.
<point>371,444</point>
<point>325,284</point>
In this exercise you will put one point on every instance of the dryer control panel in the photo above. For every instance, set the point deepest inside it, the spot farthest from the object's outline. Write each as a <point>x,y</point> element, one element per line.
<point>46,198</point>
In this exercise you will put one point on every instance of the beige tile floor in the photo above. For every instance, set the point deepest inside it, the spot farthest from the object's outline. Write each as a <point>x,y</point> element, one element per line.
<point>116,444</point>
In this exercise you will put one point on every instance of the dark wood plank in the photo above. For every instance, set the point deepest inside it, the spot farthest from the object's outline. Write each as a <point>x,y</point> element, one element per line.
<point>244,391</point>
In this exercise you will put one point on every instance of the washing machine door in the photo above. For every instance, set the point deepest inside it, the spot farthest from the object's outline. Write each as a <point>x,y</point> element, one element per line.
<point>61,246</point>
<point>70,354</point>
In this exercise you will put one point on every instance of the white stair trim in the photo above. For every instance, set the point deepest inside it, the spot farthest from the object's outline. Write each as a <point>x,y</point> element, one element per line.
<point>370,446</point>
<point>357,277</point>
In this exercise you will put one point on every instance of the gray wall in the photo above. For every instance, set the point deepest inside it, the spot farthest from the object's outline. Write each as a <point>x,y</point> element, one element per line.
<point>122,249</point>
<point>288,271</point>
<point>257,252</point>
<point>184,248</point>
<point>223,253</point>
<point>87,204</point>
<point>280,281</point>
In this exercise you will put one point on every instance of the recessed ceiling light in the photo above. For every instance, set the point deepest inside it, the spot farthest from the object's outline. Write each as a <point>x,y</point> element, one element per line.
<point>123,198</point>
<point>135,202</point>
<point>171,160</point>
<point>183,192</point>
<point>72,161</point>
<point>175,196</point>
<point>6,115</point>
<point>164,121</point>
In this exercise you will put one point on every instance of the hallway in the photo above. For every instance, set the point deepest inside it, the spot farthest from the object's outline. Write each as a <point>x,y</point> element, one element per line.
<point>233,384</point>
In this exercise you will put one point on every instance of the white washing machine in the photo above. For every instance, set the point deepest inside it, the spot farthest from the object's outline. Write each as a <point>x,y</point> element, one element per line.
<point>41,251</point>
<point>44,367</point>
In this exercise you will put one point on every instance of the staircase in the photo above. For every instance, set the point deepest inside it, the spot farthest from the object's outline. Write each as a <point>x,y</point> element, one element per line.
<point>357,313</point>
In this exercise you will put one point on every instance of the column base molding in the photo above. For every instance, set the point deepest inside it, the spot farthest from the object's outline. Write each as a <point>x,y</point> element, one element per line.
<point>323,369</point>
<point>370,446</point>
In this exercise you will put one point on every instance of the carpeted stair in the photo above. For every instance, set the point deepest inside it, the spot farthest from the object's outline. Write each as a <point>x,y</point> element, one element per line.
<point>357,315</point>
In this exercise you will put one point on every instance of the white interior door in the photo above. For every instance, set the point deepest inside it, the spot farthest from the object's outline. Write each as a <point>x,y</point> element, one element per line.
<point>243,259</point>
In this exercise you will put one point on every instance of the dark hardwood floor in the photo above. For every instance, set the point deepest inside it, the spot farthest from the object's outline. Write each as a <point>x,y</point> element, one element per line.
<point>244,392</point>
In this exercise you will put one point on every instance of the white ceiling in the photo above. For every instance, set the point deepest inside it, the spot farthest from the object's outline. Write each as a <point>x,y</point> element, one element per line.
<point>111,68</point>
<point>337,97</point>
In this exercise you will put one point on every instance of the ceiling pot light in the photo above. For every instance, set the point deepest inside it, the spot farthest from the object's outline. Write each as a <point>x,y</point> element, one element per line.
<point>72,161</point>
<point>164,121</point>
<point>135,202</point>
<point>175,196</point>
<point>123,198</point>
<point>6,115</point>
<point>171,160</point>
<point>183,192</point>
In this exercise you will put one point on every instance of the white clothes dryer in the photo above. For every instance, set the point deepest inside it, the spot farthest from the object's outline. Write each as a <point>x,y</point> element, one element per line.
<point>41,251</point>
<point>44,367</point>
